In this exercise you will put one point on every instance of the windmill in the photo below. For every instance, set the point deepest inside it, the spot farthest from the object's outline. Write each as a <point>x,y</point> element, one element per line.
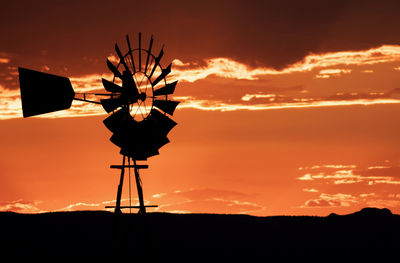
<point>136,100</point>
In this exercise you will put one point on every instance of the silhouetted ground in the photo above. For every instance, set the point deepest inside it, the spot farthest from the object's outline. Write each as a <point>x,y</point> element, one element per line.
<point>102,236</point>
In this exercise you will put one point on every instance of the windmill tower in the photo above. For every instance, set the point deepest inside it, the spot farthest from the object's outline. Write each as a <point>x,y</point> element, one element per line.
<point>137,101</point>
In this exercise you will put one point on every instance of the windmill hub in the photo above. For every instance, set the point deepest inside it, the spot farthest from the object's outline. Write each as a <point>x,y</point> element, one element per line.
<point>142,96</point>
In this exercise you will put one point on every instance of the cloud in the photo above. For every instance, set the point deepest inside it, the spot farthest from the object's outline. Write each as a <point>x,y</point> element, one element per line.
<point>382,54</point>
<point>4,60</point>
<point>320,203</point>
<point>112,58</point>
<point>20,206</point>
<point>380,171</point>
<point>226,68</point>
<point>329,166</point>
<point>327,73</point>
<point>45,68</point>
<point>359,96</point>
<point>205,201</point>
<point>229,68</point>
<point>332,200</point>
<point>381,201</point>
<point>346,200</point>
<point>348,174</point>
<point>249,97</point>
<point>81,206</point>
<point>188,201</point>
<point>310,190</point>
<point>89,83</point>
<point>10,103</point>
<point>10,106</point>
<point>215,105</point>
<point>92,206</point>
<point>179,63</point>
<point>367,71</point>
<point>338,99</point>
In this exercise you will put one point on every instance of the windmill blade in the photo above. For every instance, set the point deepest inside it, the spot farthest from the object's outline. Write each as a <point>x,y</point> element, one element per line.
<point>148,54</point>
<point>118,120</point>
<point>117,139</point>
<point>156,129</point>
<point>151,131</point>
<point>164,121</point>
<point>155,132</point>
<point>121,58</point>
<point>111,87</point>
<point>157,62</point>
<point>137,155</point>
<point>130,53</point>
<point>129,135</point>
<point>114,69</point>
<point>136,145</point>
<point>161,141</point>
<point>164,73</point>
<point>122,140</point>
<point>128,83</point>
<point>147,146</point>
<point>111,104</point>
<point>151,153</point>
<point>167,89</point>
<point>43,93</point>
<point>167,106</point>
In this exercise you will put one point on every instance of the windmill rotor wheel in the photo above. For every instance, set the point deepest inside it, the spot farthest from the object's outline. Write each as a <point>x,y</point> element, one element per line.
<point>141,109</point>
<point>138,101</point>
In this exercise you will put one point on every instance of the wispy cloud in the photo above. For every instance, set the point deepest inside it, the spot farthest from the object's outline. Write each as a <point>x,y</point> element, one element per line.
<point>345,174</point>
<point>331,200</point>
<point>91,206</point>
<point>10,106</point>
<point>206,201</point>
<point>329,166</point>
<point>228,68</point>
<point>249,97</point>
<point>4,60</point>
<point>185,201</point>
<point>325,200</point>
<point>20,206</point>
<point>310,190</point>
<point>368,71</point>
<point>209,105</point>
<point>113,58</point>
<point>179,63</point>
<point>341,176</point>
<point>327,64</point>
<point>327,73</point>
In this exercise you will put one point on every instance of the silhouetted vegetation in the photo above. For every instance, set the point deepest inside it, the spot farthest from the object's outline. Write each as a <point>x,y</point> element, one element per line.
<point>98,235</point>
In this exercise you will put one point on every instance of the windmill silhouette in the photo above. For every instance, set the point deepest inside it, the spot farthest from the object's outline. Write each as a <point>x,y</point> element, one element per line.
<point>136,99</point>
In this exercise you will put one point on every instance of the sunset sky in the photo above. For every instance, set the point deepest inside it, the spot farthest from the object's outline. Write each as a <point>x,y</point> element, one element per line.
<point>287,107</point>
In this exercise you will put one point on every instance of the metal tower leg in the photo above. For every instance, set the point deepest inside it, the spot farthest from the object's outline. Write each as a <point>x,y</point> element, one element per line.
<point>142,209</point>
<point>121,181</point>
<point>118,207</point>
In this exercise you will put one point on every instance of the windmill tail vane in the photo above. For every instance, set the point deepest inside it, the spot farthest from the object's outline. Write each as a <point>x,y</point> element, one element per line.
<point>136,100</point>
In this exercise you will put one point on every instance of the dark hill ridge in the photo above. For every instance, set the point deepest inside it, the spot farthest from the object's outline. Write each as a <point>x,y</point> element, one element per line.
<point>99,235</point>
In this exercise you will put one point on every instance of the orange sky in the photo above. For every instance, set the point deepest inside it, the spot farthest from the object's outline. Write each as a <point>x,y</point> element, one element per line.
<point>286,114</point>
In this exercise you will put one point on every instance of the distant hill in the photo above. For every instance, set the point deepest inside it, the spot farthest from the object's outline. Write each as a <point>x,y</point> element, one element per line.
<point>103,236</point>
